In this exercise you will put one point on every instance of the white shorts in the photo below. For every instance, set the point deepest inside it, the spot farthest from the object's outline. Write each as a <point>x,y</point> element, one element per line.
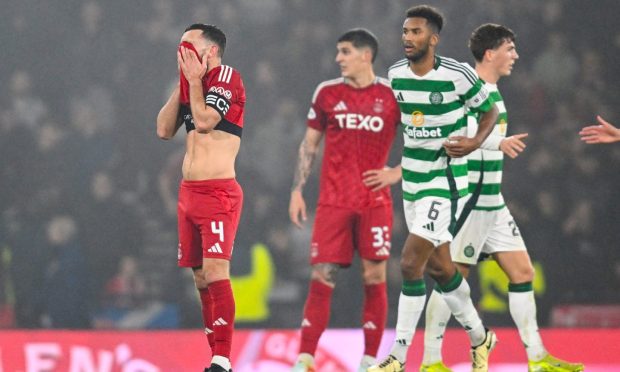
<point>430,218</point>
<point>486,232</point>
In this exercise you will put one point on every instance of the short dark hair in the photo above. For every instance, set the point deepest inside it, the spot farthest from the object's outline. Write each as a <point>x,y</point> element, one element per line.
<point>211,33</point>
<point>432,15</point>
<point>362,38</point>
<point>488,36</point>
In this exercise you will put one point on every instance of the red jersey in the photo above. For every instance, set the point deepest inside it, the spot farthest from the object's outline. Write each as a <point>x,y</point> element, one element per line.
<point>359,126</point>
<point>224,91</point>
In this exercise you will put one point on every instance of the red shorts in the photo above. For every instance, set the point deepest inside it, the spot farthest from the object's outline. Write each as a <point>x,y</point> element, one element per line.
<point>208,215</point>
<point>339,231</point>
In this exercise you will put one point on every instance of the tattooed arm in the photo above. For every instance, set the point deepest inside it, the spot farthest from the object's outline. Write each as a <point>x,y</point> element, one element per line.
<point>307,152</point>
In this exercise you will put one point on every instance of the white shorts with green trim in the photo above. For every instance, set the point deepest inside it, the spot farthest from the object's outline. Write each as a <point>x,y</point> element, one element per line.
<point>486,232</point>
<point>431,218</point>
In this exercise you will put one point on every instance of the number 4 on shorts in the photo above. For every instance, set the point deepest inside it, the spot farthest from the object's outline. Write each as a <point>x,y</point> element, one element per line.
<point>217,227</point>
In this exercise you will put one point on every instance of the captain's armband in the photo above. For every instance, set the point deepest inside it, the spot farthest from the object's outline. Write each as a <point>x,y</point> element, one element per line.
<point>219,102</point>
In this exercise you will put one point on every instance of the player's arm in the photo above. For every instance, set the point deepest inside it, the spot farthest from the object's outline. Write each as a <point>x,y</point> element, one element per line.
<point>511,146</point>
<point>380,178</point>
<point>169,118</point>
<point>459,146</point>
<point>477,100</point>
<point>605,132</point>
<point>205,117</point>
<point>307,153</point>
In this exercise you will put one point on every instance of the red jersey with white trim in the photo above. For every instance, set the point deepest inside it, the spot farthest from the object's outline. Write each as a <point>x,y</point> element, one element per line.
<point>224,91</point>
<point>359,126</point>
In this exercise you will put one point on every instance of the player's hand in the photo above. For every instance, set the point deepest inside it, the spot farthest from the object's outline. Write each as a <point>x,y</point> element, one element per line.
<point>602,133</point>
<point>459,146</point>
<point>377,179</point>
<point>191,66</point>
<point>513,146</point>
<point>297,207</point>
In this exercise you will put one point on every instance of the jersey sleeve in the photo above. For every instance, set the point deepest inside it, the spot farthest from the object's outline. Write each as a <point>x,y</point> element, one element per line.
<point>317,119</point>
<point>226,95</point>
<point>471,88</point>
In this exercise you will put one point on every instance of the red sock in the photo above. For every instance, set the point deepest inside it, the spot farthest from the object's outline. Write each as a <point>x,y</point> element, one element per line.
<point>207,315</point>
<point>316,316</point>
<point>374,318</point>
<point>223,316</point>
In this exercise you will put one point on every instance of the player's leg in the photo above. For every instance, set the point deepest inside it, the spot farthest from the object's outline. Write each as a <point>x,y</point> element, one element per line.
<point>438,315</point>
<point>428,220</point>
<point>375,305</point>
<point>216,273</point>
<point>456,292</point>
<point>217,213</point>
<point>190,255</point>
<point>415,253</point>
<point>373,233</point>
<point>332,246</point>
<point>509,252</point>
<point>464,250</point>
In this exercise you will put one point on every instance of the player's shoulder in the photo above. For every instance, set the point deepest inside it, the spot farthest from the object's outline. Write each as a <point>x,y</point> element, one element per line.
<point>326,86</point>
<point>403,63</point>
<point>381,81</point>
<point>456,69</point>
<point>225,74</point>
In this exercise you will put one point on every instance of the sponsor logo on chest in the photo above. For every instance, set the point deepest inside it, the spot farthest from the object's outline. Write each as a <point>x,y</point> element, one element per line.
<point>414,132</point>
<point>360,122</point>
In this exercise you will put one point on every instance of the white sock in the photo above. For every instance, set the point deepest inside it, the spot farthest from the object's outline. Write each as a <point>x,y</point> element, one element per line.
<point>437,316</point>
<point>462,307</point>
<point>221,361</point>
<point>409,311</point>
<point>523,311</point>
<point>306,358</point>
<point>367,361</point>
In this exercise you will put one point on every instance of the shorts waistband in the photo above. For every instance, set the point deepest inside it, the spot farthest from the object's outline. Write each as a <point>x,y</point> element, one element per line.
<point>220,182</point>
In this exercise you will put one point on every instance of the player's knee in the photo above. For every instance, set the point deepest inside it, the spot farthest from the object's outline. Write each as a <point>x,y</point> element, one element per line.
<point>410,270</point>
<point>433,271</point>
<point>524,274</point>
<point>199,278</point>
<point>325,273</point>
<point>374,275</point>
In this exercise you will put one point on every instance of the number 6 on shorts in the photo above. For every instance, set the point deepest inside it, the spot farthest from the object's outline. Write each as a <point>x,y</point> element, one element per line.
<point>432,212</point>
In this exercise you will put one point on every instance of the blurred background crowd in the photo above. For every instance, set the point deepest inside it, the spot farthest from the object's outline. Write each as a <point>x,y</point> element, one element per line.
<point>88,192</point>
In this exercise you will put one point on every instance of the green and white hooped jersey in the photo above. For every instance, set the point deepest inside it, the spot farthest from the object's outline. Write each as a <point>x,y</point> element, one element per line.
<point>492,160</point>
<point>434,107</point>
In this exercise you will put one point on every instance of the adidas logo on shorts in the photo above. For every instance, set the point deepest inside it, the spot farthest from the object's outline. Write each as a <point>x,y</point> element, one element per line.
<point>429,226</point>
<point>383,252</point>
<point>215,248</point>
<point>305,323</point>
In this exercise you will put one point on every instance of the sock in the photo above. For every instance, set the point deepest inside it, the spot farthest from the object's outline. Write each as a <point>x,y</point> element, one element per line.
<point>437,317</point>
<point>223,315</point>
<point>522,306</point>
<point>456,293</point>
<point>366,362</point>
<point>306,359</point>
<point>375,315</point>
<point>410,306</point>
<point>207,316</point>
<point>222,362</point>
<point>316,316</point>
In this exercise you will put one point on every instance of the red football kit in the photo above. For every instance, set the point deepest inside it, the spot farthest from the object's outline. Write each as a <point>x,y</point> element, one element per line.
<point>359,126</point>
<point>209,210</point>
